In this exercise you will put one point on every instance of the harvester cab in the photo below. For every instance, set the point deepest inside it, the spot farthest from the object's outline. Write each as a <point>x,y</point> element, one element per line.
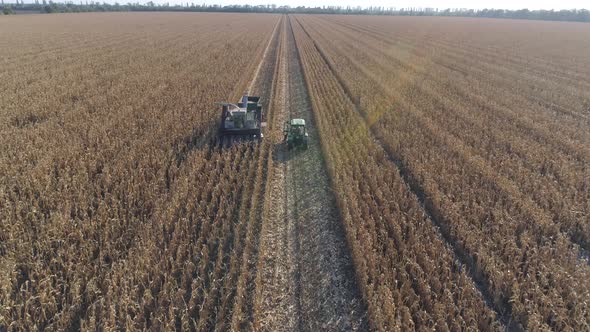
<point>295,133</point>
<point>242,121</point>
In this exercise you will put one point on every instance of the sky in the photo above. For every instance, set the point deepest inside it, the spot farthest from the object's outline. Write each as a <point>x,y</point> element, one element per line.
<point>480,4</point>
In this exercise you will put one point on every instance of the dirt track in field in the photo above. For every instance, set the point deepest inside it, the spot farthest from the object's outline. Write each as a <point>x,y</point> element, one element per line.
<point>305,278</point>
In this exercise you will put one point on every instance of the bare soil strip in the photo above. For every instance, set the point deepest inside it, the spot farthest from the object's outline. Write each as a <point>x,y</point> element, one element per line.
<point>305,276</point>
<point>264,56</point>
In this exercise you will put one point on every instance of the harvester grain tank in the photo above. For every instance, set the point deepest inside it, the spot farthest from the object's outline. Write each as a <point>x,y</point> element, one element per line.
<point>242,121</point>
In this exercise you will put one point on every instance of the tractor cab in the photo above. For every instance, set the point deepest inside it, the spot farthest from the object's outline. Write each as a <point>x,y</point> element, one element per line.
<point>295,133</point>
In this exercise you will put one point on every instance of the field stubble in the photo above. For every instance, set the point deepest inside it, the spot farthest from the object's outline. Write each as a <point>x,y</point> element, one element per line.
<point>305,278</point>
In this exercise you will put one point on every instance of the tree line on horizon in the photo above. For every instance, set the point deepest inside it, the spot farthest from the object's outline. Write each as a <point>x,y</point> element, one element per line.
<point>44,6</point>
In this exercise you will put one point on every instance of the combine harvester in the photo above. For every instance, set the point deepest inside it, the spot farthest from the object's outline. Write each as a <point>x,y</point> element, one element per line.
<point>241,122</point>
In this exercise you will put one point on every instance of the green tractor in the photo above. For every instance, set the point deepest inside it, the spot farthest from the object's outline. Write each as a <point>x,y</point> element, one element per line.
<point>295,133</point>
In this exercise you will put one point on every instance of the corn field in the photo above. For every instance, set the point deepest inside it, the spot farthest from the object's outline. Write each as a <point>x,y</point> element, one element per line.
<point>446,188</point>
<point>466,134</point>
